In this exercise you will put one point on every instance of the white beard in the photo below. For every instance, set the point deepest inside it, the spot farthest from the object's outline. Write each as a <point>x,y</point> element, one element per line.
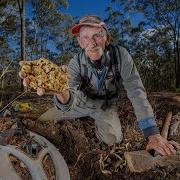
<point>98,50</point>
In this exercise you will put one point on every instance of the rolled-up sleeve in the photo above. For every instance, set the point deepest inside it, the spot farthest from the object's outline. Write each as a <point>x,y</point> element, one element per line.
<point>63,107</point>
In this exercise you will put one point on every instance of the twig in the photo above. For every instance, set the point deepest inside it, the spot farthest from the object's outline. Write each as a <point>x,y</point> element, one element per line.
<point>4,71</point>
<point>13,101</point>
<point>81,154</point>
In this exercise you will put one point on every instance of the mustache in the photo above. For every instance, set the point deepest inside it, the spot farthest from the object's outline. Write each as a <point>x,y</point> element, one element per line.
<point>93,48</point>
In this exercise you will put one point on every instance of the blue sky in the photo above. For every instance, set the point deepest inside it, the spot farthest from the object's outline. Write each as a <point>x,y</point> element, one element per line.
<point>84,7</point>
<point>80,8</point>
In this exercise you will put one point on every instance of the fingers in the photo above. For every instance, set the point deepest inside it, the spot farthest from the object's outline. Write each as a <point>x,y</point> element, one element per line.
<point>169,149</point>
<point>64,68</point>
<point>26,82</point>
<point>158,149</point>
<point>161,151</point>
<point>175,144</point>
<point>21,63</point>
<point>40,91</point>
<point>166,148</point>
<point>22,74</point>
<point>26,78</point>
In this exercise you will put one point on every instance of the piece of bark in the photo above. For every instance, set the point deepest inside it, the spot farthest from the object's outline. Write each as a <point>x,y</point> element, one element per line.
<point>165,129</point>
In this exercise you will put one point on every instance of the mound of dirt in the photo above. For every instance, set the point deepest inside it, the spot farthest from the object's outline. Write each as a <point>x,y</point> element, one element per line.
<point>89,159</point>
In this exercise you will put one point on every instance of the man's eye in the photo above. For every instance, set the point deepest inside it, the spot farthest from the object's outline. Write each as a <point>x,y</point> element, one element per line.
<point>97,35</point>
<point>85,37</point>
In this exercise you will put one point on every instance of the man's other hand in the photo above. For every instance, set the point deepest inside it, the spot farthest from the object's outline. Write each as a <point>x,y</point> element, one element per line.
<point>162,145</point>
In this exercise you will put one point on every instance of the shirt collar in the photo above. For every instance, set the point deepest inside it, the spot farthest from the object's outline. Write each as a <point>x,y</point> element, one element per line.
<point>105,59</point>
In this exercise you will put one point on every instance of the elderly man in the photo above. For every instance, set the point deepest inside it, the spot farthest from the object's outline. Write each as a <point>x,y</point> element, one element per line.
<point>96,74</point>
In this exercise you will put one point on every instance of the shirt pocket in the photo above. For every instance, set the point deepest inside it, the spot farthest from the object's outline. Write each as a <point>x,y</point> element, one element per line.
<point>109,81</point>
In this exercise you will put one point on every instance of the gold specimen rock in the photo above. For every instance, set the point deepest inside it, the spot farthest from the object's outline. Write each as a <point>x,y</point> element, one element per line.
<point>44,74</point>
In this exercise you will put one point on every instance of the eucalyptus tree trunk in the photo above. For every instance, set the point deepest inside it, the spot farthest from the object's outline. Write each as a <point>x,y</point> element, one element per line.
<point>177,39</point>
<point>21,4</point>
<point>177,64</point>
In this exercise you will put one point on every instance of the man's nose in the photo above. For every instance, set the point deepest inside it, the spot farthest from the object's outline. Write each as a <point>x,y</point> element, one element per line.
<point>92,41</point>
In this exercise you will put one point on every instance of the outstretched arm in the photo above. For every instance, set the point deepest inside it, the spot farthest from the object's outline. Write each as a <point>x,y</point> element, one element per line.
<point>143,110</point>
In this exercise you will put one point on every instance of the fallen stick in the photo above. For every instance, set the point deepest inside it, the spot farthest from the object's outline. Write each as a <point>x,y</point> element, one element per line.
<point>165,129</point>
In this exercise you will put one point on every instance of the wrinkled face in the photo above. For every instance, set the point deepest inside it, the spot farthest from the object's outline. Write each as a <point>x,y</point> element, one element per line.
<point>93,40</point>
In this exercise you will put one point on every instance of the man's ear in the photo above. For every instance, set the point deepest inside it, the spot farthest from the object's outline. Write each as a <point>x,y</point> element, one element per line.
<point>109,39</point>
<point>80,42</point>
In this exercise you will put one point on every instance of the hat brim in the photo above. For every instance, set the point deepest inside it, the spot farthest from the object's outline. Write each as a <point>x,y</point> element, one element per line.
<point>76,28</point>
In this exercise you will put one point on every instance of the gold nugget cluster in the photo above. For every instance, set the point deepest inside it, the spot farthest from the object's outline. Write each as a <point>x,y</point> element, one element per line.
<point>45,74</point>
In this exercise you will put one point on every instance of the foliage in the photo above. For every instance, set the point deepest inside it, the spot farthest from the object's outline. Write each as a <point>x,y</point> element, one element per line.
<point>47,34</point>
<point>154,42</point>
